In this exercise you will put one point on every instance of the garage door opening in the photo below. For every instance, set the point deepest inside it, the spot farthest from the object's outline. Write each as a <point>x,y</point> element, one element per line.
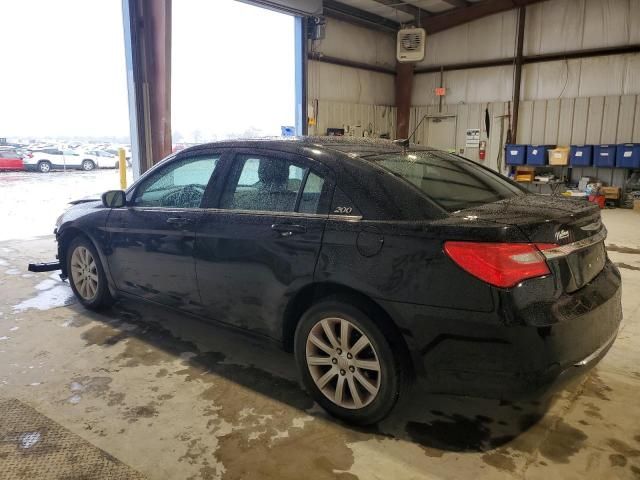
<point>233,71</point>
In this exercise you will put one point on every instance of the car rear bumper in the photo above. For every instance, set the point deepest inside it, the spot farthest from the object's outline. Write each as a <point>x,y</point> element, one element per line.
<point>483,354</point>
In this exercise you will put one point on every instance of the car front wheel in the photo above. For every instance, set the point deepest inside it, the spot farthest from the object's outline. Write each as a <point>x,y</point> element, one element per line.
<point>88,165</point>
<point>346,362</point>
<point>44,167</point>
<point>86,274</point>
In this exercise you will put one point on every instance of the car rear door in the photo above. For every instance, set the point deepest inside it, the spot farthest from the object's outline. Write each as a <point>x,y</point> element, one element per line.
<point>151,239</point>
<point>71,159</point>
<point>260,240</point>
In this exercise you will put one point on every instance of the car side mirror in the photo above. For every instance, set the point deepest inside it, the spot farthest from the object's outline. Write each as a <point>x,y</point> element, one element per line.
<point>114,199</point>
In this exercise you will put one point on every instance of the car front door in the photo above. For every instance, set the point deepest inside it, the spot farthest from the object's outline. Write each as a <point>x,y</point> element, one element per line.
<point>152,238</point>
<point>260,241</point>
<point>71,159</point>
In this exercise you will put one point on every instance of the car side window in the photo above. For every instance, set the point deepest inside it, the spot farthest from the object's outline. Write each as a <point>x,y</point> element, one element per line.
<point>264,184</point>
<point>180,184</point>
<point>311,194</point>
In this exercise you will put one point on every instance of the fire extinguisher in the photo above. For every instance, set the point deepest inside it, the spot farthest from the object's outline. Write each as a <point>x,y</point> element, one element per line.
<point>482,151</point>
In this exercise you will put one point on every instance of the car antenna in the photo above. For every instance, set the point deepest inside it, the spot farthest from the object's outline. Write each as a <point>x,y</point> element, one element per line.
<point>402,142</point>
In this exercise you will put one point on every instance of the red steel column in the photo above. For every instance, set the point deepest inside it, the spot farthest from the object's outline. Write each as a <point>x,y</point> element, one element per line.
<point>404,85</point>
<point>157,65</point>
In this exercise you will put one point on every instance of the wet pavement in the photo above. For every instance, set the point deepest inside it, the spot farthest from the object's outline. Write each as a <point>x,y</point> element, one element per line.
<point>139,390</point>
<point>30,202</point>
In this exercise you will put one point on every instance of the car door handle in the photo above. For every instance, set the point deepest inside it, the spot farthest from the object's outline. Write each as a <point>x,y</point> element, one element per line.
<point>287,229</point>
<point>179,221</point>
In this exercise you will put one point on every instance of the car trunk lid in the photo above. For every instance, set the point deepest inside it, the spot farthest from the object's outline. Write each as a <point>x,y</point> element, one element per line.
<point>574,226</point>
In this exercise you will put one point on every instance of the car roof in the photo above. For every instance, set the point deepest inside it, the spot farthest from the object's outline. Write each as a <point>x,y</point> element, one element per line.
<point>353,147</point>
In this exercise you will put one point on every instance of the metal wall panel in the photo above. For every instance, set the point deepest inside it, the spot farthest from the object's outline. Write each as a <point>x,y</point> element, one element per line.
<point>552,122</point>
<point>483,39</point>
<point>579,127</point>
<point>538,122</point>
<point>610,119</point>
<point>565,123</point>
<point>525,122</point>
<point>466,116</point>
<point>378,118</point>
<point>350,42</point>
<point>626,118</point>
<point>594,120</point>
<point>349,85</point>
<point>550,27</point>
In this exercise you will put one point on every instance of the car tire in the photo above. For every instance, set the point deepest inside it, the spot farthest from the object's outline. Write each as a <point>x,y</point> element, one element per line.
<point>366,395</point>
<point>88,165</point>
<point>44,167</point>
<point>86,274</point>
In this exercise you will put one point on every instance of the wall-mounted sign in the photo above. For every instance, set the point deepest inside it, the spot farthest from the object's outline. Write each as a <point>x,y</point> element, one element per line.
<point>473,138</point>
<point>441,91</point>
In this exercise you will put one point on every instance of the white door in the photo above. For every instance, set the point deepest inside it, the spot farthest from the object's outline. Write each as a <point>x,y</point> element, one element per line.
<point>441,133</point>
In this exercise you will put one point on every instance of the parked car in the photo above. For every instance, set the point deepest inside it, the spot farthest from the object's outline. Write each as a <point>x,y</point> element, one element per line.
<point>10,159</point>
<point>102,158</point>
<point>50,159</point>
<point>376,263</point>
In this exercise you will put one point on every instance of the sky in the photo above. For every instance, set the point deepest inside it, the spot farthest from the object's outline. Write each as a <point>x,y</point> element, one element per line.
<point>63,69</point>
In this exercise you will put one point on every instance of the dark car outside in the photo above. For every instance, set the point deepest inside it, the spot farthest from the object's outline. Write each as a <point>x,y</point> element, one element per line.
<point>377,264</point>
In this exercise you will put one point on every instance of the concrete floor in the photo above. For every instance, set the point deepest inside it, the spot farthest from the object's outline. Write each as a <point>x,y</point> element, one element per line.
<point>141,391</point>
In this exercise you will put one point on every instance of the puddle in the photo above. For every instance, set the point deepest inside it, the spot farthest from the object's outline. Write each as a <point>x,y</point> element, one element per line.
<point>58,296</point>
<point>46,284</point>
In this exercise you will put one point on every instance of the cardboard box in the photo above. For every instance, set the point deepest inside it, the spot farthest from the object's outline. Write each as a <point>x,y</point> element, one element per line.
<point>559,156</point>
<point>612,193</point>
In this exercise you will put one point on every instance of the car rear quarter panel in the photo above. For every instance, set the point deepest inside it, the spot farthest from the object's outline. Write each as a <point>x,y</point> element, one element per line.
<point>402,262</point>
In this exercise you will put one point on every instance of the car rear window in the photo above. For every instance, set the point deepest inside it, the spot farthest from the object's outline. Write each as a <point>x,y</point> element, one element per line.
<point>451,182</point>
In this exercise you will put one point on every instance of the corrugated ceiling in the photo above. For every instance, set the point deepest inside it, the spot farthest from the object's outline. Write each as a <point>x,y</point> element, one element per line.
<point>393,10</point>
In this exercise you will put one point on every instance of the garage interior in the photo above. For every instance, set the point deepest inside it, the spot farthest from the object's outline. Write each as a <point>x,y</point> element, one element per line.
<point>139,391</point>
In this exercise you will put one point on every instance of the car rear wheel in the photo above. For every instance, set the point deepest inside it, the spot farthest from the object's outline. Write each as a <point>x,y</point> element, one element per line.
<point>44,167</point>
<point>86,274</point>
<point>88,165</point>
<point>346,362</point>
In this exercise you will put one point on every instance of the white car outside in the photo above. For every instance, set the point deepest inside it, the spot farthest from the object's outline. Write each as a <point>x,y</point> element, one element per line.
<point>101,158</point>
<point>54,159</point>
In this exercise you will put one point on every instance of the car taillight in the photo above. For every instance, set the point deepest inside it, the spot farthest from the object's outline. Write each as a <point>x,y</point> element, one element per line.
<point>500,264</point>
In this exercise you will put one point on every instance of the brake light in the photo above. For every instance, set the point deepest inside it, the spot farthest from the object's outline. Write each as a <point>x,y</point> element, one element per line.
<point>500,264</point>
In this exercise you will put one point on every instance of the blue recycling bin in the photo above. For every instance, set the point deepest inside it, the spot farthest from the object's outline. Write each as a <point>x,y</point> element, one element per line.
<point>628,155</point>
<point>604,156</point>
<point>537,154</point>
<point>581,155</point>
<point>515,154</point>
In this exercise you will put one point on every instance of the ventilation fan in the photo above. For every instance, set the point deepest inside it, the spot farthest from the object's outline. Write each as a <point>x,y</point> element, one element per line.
<point>411,44</point>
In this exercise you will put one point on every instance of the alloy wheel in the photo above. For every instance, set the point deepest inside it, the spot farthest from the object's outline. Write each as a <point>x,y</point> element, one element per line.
<point>84,273</point>
<point>45,167</point>
<point>87,165</point>
<point>343,363</point>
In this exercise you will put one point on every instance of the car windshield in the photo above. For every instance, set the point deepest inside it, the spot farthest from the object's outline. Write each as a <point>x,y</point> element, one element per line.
<point>451,182</point>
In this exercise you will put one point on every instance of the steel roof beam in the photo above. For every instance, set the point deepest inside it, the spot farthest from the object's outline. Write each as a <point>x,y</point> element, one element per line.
<point>357,16</point>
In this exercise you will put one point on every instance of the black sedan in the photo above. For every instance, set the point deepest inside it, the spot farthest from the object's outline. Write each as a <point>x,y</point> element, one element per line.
<point>375,262</point>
